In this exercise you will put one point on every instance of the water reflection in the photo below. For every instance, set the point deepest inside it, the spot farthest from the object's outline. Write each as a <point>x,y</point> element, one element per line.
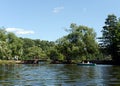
<point>59,75</point>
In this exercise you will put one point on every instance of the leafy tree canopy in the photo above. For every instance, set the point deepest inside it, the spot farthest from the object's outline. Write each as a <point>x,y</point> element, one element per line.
<point>110,40</point>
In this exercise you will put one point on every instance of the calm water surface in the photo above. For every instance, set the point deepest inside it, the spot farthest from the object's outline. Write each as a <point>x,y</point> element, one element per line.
<point>59,75</point>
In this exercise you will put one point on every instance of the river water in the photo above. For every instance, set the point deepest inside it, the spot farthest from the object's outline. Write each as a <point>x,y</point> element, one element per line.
<point>59,75</point>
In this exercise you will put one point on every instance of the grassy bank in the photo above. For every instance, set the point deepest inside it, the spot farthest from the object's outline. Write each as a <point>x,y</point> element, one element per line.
<point>9,62</point>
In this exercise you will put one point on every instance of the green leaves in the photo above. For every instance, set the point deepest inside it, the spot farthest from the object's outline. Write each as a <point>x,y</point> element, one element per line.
<point>111,37</point>
<point>34,53</point>
<point>5,52</point>
<point>79,43</point>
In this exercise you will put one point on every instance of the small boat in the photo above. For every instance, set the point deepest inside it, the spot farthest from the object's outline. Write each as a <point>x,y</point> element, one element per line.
<point>86,64</point>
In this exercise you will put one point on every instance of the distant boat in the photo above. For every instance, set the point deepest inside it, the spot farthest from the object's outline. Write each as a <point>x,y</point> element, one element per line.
<point>86,64</point>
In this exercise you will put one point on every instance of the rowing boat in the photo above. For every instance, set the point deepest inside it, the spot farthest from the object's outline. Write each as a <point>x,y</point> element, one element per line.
<point>86,64</point>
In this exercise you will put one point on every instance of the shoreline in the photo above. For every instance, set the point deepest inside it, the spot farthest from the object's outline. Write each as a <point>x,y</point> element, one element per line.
<point>10,62</point>
<point>103,62</point>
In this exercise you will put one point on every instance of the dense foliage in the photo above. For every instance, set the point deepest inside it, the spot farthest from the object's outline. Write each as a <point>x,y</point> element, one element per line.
<point>110,40</point>
<point>79,44</point>
<point>13,47</point>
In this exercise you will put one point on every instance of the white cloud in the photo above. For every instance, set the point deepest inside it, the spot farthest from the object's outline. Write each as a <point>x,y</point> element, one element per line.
<point>19,31</point>
<point>58,9</point>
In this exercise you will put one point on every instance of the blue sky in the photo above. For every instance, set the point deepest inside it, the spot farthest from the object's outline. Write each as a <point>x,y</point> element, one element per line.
<point>47,19</point>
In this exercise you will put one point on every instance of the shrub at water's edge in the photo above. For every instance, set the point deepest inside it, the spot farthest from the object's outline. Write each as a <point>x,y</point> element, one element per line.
<point>9,62</point>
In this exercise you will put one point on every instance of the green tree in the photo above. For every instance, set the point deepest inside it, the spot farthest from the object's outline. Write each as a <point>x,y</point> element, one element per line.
<point>110,40</point>
<point>10,45</point>
<point>43,44</point>
<point>3,34</point>
<point>35,52</point>
<point>5,52</point>
<point>55,55</point>
<point>79,43</point>
<point>27,43</point>
<point>15,44</point>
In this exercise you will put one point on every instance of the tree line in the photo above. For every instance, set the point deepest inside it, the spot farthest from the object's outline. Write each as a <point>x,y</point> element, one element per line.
<point>79,44</point>
<point>110,40</point>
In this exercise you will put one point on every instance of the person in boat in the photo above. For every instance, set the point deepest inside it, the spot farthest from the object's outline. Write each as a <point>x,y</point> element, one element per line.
<point>83,62</point>
<point>88,62</point>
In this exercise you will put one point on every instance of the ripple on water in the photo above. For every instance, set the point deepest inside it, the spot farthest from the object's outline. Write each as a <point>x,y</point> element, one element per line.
<point>59,75</point>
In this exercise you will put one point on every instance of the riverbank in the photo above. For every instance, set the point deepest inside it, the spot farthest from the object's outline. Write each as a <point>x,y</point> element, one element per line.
<point>104,62</point>
<point>10,62</point>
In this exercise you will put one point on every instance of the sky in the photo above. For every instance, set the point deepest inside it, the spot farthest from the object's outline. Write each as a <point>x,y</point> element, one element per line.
<point>48,19</point>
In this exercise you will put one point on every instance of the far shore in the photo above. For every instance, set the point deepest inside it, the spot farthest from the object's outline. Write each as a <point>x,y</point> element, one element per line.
<point>104,62</point>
